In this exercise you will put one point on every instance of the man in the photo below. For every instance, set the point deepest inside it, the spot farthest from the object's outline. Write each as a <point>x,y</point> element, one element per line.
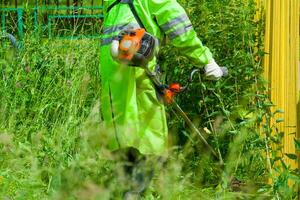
<point>131,111</point>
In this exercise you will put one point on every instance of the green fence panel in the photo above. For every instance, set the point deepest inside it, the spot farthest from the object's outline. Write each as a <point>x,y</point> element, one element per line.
<point>20,24</point>
<point>50,17</point>
<point>37,9</point>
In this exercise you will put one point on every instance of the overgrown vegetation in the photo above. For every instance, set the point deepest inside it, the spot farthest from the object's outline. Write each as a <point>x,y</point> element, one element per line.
<point>50,128</point>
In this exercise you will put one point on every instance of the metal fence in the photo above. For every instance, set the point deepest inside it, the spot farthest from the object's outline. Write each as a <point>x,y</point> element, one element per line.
<point>43,19</point>
<point>20,25</point>
<point>281,67</point>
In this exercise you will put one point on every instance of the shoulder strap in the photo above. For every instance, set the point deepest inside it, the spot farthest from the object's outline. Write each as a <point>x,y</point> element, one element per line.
<point>113,5</point>
<point>132,8</point>
<point>135,14</point>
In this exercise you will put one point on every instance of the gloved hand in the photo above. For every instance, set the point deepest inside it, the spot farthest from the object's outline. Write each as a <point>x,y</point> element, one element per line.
<point>213,71</point>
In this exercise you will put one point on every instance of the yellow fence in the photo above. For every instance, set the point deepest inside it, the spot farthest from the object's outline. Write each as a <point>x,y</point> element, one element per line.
<point>282,65</point>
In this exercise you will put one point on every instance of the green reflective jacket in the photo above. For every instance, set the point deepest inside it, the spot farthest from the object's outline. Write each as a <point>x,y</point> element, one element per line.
<point>133,115</point>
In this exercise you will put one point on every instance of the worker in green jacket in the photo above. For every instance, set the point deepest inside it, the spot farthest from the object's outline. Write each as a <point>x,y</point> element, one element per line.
<point>132,113</point>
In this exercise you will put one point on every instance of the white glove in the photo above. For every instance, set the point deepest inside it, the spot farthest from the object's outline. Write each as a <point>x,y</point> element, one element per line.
<point>213,71</point>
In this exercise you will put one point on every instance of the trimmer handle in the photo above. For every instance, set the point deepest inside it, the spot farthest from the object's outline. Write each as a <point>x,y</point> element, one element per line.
<point>202,71</point>
<point>175,88</point>
<point>225,71</point>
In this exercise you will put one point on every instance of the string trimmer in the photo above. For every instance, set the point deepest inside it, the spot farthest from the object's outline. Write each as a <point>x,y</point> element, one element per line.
<point>169,92</point>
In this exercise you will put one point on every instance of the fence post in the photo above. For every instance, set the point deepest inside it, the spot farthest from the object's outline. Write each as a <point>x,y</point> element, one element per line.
<point>3,20</point>
<point>35,16</point>
<point>20,22</point>
<point>49,27</point>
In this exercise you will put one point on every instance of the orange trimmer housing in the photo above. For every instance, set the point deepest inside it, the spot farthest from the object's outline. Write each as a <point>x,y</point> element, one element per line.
<point>130,44</point>
<point>171,91</point>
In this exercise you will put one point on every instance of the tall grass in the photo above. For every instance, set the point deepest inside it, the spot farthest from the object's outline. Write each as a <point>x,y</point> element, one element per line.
<point>47,91</point>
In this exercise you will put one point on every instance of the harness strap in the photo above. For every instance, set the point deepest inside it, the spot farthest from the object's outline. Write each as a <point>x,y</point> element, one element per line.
<point>132,8</point>
<point>135,14</point>
<point>113,5</point>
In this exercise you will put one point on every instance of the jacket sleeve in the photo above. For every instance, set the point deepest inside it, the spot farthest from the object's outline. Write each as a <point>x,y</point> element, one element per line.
<point>174,22</point>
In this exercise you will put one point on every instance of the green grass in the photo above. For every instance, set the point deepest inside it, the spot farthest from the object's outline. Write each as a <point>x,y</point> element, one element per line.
<point>51,145</point>
<point>47,92</point>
